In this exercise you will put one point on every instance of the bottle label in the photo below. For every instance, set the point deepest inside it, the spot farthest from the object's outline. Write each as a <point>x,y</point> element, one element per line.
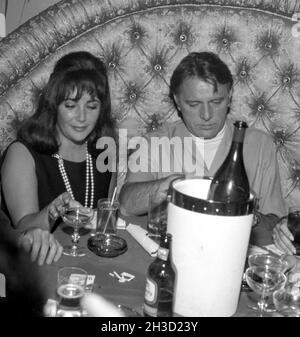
<point>163,253</point>
<point>150,311</point>
<point>151,291</point>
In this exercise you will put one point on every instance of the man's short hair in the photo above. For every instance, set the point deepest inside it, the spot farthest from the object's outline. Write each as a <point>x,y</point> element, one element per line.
<point>205,66</point>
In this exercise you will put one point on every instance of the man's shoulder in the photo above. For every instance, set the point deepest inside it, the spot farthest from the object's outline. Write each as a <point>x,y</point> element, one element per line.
<point>256,135</point>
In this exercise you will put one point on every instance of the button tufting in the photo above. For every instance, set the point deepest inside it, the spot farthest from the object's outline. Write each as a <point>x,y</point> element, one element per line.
<point>268,45</point>
<point>157,67</point>
<point>136,35</point>
<point>225,42</point>
<point>287,79</point>
<point>112,65</point>
<point>280,141</point>
<point>261,107</point>
<point>243,74</point>
<point>132,96</point>
<point>183,37</point>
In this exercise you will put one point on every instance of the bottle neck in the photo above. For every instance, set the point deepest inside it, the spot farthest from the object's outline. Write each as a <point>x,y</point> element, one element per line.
<point>239,132</point>
<point>163,253</point>
<point>164,249</point>
<point>237,140</point>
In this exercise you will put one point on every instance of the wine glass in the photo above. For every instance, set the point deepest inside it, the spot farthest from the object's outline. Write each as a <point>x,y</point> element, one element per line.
<point>264,281</point>
<point>76,217</point>
<point>287,300</point>
<point>269,261</point>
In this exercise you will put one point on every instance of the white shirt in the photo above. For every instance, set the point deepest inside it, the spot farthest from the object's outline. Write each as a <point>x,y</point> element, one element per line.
<point>209,147</point>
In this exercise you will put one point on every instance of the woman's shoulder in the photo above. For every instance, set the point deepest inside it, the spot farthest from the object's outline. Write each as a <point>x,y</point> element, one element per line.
<point>18,151</point>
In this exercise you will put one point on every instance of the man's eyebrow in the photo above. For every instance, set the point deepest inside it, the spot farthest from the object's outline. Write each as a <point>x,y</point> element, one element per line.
<point>199,100</point>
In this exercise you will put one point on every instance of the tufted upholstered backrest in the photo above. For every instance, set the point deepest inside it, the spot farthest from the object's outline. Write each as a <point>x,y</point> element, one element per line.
<point>142,41</point>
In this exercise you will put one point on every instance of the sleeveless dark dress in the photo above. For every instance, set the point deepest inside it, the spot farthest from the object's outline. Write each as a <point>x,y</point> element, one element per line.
<point>51,184</point>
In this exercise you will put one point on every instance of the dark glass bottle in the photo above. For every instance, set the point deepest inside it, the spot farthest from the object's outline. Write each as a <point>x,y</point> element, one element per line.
<point>160,282</point>
<point>230,183</point>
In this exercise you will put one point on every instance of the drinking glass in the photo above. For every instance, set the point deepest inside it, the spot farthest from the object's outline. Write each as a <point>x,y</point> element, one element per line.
<point>71,283</point>
<point>157,218</point>
<point>294,226</point>
<point>76,217</point>
<point>287,301</point>
<point>106,242</point>
<point>268,261</point>
<point>264,281</point>
<point>107,216</point>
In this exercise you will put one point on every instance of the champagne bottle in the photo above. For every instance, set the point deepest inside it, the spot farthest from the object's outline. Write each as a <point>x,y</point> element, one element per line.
<point>230,183</point>
<point>160,282</point>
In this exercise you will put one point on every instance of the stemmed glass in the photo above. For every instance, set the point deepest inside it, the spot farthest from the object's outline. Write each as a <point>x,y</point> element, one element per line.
<point>287,300</point>
<point>76,217</point>
<point>264,281</point>
<point>268,261</point>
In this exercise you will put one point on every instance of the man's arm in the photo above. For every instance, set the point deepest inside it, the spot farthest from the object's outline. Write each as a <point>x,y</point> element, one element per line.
<point>134,196</point>
<point>264,178</point>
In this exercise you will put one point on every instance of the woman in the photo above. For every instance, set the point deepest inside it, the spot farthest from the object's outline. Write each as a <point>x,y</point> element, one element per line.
<point>52,162</point>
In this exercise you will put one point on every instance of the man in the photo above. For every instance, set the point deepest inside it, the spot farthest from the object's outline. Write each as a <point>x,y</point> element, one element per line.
<point>201,89</point>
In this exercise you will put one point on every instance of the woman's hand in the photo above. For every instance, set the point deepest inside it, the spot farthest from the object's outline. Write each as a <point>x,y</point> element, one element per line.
<point>283,238</point>
<point>59,205</point>
<point>42,246</point>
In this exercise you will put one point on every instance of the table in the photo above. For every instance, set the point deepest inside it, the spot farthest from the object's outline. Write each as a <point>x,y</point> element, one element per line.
<point>134,261</point>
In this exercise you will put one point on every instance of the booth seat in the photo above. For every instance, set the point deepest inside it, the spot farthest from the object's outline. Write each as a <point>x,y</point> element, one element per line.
<point>141,42</point>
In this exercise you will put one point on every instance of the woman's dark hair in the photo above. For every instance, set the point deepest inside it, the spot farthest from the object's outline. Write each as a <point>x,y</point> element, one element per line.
<point>80,72</point>
<point>79,60</point>
<point>206,66</point>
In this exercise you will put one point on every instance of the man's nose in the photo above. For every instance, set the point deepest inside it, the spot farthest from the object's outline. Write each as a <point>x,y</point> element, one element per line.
<point>206,112</point>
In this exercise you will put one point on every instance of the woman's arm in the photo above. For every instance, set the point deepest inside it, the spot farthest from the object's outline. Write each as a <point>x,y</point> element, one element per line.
<point>20,189</point>
<point>20,192</point>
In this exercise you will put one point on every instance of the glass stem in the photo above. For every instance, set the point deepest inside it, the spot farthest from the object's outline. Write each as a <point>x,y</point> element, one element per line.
<point>75,238</point>
<point>262,303</point>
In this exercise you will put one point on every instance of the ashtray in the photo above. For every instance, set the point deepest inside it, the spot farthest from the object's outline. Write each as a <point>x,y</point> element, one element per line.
<point>107,245</point>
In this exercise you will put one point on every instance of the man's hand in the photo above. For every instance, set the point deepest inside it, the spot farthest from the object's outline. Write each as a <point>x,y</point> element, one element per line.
<point>283,238</point>
<point>163,186</point>
<point>42,246</point>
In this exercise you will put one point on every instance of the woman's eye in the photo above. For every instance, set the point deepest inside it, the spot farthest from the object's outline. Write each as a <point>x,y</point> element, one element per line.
<point>93,107</point>
<point>69,106</point>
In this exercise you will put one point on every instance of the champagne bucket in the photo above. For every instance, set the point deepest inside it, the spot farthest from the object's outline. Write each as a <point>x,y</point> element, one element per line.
<point>210,241</point>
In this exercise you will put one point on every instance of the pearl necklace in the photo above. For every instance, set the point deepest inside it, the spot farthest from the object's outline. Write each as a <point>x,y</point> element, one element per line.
<point>89,174</point>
